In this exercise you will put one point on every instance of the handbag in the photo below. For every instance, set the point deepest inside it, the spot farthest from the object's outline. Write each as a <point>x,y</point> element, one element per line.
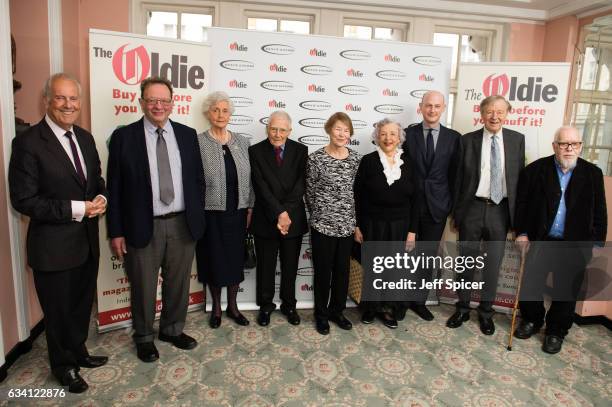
<point>250,259</point>
<point>355,281</point>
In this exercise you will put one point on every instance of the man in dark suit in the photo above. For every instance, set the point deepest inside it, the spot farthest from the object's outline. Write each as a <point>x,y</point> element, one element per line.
<point>278,167</point>
<point>491,160</point>
<point>561,210</point>
<point>55,179</point>
<point>156,215</point>
<point>434,150</point>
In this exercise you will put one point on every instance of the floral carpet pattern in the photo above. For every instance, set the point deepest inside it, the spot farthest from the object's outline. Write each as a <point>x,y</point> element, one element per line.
<point>419,364</point>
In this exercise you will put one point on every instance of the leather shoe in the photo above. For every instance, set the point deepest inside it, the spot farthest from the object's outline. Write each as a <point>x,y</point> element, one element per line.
<point>487,326</point>
<point>322,326</point>
<point>147,352</point>
<point>239,319</point>
<point>400,313</point>
<point>388,320</point>
<point>457,319</point>
<point>552,344</point>
<point>368,317</point>
<point>292,316</point>
<point>263,318</point>
<point>74,381</point>
<point>92,361</point>
<point>341,321</point>
<point>182,341</point>
<point>422,311</point>
<point>214,322</point>
<point>526,329</point>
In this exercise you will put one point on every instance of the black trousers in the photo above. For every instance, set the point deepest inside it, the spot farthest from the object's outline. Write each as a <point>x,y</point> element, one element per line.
<point>66,298</point>
<point>331,262</point>
<point>267,252</point>
<point>429,233</point>
<point>488,223</point>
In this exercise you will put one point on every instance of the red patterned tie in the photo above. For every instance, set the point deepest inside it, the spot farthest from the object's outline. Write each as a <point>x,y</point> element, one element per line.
<point>277,154</point>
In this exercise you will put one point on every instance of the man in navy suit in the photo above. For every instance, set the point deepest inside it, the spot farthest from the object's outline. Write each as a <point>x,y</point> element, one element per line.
<point>435,151</point>
<point>156,214</point>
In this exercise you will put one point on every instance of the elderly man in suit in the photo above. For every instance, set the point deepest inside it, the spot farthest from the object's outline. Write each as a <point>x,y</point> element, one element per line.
<point>434,150</point>
<point>55,179</point>
<point>156,215</point>
<point>491,161</point>
<point>278,167</point>
<point>561,210</point>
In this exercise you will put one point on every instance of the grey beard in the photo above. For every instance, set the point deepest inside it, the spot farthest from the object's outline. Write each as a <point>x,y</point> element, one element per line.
<point>568,164</point>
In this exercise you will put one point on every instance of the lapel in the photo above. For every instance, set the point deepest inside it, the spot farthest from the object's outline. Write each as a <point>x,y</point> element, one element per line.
<point>141,147</point>
<point>508,151</point>
<point>90,166</point>
<point>270,158</point>
<point>575,186</point>
<point>442,142</point>
<point>57,151</point>
<point>420,142</point>
<point>551,182</point>
<point>478,150</point>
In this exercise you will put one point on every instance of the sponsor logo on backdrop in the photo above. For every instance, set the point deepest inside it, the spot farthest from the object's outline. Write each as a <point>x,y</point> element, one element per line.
<point>532,91</point>
<point>317,69</point>
<point>313,122</point>
<point>389,109</point>
<point>354,73</point>
<point>426,78</point>
<point>353,90</point>
<point>241,101</point>
<point>305,271</point>
<point>392,58</point>
<point>349,107</point>
<point>240,120</point>
<point>359,124</point>
<point>306,287</point>
<point>355,54</point>
<point>427,60</point>
<point>418,93</point>
<point>391,75</point>
<point>317,53</point>
<point>278,68</point>
<point>353,142</point>
<point>134,65</point>
<point>314,140</point>
<point>264,120</point>
<point>279,86</point>
<point>390,92</point>
<point>234,46</point>
<point>247,136</point>
<point>237,84</point>
<point>315,88</point>
<point>278,49</point>
<point>237,65</point>
<point>317,105</point>
<point>278,104</point>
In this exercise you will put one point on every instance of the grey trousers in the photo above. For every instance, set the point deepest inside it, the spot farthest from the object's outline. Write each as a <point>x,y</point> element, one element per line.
<point>172,249</point>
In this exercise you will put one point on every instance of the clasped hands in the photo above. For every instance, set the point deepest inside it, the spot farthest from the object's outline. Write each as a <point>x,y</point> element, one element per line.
<point>95,207</point>
<point>284,222</point>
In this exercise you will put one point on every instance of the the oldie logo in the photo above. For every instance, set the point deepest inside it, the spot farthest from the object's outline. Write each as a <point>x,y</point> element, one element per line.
<point>278,49</point>
<point>317,105</point>
<point>279,86</point>
<point>426,78</point>
<point>418,93</point>
<point>390,92</point>
<point>237,84</point>
<point>314,140</point>
<point>355,54</point>
<point>240,120</point>
<point>349,107</point>
<point>389,109</point>
<point>317,69</point>
<point>354,73</point>
<point>278,68</point>
<point>234,46</point>
<point>353,90</point>
<point>427,60</point>
<point>359,124</point>
<point>532,91</point>
<point>264,120</point>
<point>392,58</point>
<point>241,101</point>
<point>313,122</point>
<point>306,286</point>
<point>315,88</point>
<point>237,65</point>
<point>317,53</point>
<point>354,142</point>
<point>391,75</point>
<point>278,104</point>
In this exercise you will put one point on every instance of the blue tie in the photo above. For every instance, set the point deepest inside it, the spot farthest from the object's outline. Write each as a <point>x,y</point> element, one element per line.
<point>496,172</point>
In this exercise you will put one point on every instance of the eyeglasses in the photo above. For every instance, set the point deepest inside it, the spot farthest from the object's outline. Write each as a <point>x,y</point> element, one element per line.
<point>278,130</point>
<point>155,101</point>
<point>565,146</point>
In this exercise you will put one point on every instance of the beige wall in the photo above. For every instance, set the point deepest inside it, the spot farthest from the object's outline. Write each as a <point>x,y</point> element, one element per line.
<point>560,39</point>
<point>526,42</point>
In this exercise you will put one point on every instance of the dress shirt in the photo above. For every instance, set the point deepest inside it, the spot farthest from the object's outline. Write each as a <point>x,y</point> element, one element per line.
<point>558,226</point>
<point>484,186</point>
<point>435,132</point>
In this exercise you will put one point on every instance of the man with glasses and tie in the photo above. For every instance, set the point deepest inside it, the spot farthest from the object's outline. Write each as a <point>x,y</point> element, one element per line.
<point>491,161</point>
<point>155,215</point>
<point>55,179</point>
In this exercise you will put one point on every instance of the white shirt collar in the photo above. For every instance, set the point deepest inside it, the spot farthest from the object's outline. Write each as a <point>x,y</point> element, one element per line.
<point>150,127</point>
<point>490,135</point>
<point>57,130</point>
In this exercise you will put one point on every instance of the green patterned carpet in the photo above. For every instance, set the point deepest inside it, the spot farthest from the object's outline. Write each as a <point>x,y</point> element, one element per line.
<point>418,364</point>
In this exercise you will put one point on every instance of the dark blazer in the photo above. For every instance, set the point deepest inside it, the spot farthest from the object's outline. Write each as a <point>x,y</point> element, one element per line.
<point>278,189</point>
<point>539,194</point>
<point>437,187</point>
<point>469,169</point>
<point>42,182</point>
<point>130,206</point>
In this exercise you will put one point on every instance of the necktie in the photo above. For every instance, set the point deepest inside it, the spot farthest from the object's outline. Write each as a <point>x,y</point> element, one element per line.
<point>429,152</point>
<point>166,190</point>
<point>278,156</point>
<point>75,156</point>
<point>496,172</point>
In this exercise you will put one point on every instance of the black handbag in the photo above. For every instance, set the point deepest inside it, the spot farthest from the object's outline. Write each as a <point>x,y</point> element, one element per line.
<point>250,259</point>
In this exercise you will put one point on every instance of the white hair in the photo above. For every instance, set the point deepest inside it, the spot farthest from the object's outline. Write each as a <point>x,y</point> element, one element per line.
<point>61,75</point>
<point>216,97</point>
<point>381,123</point>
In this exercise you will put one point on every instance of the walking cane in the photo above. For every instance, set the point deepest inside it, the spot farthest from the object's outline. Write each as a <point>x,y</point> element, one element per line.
<point>516,298</point>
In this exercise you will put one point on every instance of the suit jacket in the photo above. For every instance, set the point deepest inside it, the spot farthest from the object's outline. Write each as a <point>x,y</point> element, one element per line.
<point>469,169</point>
<point>130,206</point>
<point>43,181</point>
<point>539,194</point>
<point>437,187</point>
<point>278,189</point>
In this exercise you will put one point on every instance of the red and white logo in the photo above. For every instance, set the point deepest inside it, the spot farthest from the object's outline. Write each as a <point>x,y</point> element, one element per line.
<point>131,66</point>
<point>496,85</point>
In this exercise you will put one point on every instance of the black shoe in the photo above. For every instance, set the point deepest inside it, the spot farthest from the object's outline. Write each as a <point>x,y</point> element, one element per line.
<point>292,316</point>
<point>239,319</point>
<point>400,313</point>
<point>147,352</point>
<point>341,321</point>
<point>263,318</point>
<point>457,319</point>
<point>487,326</point>
<point>322,326</point>
<point>422,311</point>
<point>74,381</point>
<point>368,317</point>
<point>526,329</point>
<point>388,320</point>
<point>182,341</point>
<point>552,344</point>
<point>214,322</point>
<point>92,361</point>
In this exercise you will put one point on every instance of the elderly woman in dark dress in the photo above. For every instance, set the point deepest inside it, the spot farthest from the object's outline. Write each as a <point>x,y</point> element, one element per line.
<point>228,202</point>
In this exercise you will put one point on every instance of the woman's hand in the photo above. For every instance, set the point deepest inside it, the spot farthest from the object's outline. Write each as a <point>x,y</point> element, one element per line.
<point>410,241</point>
<point>249,216</point>
<point>358,237</point>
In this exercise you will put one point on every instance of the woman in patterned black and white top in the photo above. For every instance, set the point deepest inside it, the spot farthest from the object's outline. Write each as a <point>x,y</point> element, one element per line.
<point>330,175</point>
